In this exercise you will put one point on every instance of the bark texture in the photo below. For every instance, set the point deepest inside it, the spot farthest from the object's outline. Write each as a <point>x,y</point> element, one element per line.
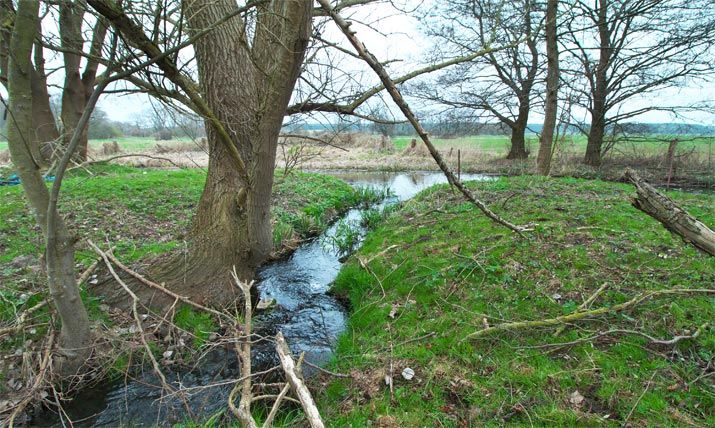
<point>74,336</point>
<point>674,218</point>
<point>543,160</point>
<point>247,85</point>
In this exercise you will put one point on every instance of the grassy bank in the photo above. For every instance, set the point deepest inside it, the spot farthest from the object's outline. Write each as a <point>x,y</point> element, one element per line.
<point>438,271</point>
<point>141,212</point>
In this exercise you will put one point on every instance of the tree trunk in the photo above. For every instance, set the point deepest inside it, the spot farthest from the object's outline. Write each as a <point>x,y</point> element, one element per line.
<point>248,91</point>
<point>73,92</point>
<point>595,138</point>
<point>543,160</point>
<point>674,218</point>
<point>518,142</point>
<point>599,93</point>
<point>74,336</point>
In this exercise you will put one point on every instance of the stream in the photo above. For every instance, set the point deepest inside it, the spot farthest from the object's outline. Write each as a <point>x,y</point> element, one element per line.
<point>310,318</point>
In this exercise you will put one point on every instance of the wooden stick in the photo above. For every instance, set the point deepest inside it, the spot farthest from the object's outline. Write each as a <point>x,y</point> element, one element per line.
<point>306,400</point>
<point>243,347</point>
<point>407,111</point>
<point>580,315</point>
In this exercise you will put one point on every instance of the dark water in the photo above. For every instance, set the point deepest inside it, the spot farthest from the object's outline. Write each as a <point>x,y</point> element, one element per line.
<point>309,317</point>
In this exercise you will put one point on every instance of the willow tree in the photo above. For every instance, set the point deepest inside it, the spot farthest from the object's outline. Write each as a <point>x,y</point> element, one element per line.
<point>246,75</point>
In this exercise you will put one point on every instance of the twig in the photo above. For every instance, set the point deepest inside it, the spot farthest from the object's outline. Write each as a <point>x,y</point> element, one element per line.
<point>580,315</point>
<point>365,266</point>
<point>647,386</point>
<point>39,378</point>
<point>584,305</point>
<point>306,400</point>
<point>328,372</point>
<point>20,324</point>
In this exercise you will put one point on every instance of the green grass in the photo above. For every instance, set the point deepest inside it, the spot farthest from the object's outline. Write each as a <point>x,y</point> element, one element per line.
<point>446,270</point>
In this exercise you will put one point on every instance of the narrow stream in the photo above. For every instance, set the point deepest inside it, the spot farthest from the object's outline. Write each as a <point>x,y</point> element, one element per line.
<point>309,317</point>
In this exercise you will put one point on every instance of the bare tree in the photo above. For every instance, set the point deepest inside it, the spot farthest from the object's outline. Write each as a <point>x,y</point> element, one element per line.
<point>498,85</point>
<point>242,93</point>
<point>629,49</point>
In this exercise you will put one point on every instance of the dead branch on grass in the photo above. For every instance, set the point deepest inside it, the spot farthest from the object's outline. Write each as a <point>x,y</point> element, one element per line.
<point>131,155</point>
<point>668,213</point>
<point>582,315</point>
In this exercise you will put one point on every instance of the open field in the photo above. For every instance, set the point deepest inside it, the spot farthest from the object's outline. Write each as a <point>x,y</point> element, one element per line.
<point>572,144</point>
<point>438,271</point>
<point>128,144</point>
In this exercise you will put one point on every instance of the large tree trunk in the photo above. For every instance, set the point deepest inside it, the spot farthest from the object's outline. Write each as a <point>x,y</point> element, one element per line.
<point>74,336</point>
<point>674,218</point>
<point>599,93</point>
<point>518,142</point>
<point>46,132</point>
<point>543,160</point>
<point>249,92</point>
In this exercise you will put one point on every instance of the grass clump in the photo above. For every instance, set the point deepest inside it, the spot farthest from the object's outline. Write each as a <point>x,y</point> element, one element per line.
<point>199,324</point>
<point>447,271</point>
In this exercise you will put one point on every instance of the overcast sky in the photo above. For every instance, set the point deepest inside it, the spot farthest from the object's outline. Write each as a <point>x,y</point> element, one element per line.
<point>397,36</point>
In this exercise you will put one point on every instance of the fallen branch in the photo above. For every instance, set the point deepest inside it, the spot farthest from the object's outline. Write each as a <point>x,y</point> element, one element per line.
<point>156,286</point>
<point>584,305</point>
<point>674,218</point>
<point>580,315</point>
<point>652,341</point>
<point>131,155</point>
<point>407,111</point>
<point>289,367</point>
<point>137,317</point>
